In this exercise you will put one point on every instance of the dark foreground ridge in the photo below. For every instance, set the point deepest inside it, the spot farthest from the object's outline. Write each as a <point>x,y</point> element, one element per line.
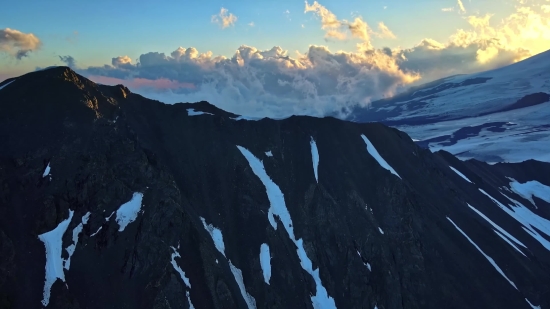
<point>111,200</point>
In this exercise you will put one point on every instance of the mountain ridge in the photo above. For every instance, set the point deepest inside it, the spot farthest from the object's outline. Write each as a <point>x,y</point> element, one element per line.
<point>375,239</point>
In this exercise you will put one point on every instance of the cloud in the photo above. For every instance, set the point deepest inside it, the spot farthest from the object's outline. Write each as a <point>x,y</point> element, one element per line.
<point>449,9</point>
<point>461,6</point>
<point>224,18</point>
<point>17,43</point>
<point>251,24</point>
<point>319,81</point>
<point>385,32</point>
<point>265,82</point>
<point>68,60</point>
<point>141,83</point>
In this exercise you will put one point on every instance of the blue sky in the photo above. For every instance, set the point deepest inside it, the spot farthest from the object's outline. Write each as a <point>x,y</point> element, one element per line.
<point>131,28</point>
<point>114,42</point>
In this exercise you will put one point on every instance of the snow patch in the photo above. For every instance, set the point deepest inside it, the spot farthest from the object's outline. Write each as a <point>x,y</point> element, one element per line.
<point>99,229</point>
<point>237,273</point>
<point>193,112</point>
<point>366,264</point>
<point>315,158</point>
<point>278,207</point>
<point>529,189</point>
<point>2,87</point>
<point>532,223</point>
<point>269,154</point>
<point>128,212</point>
<point>47,171</point>
<point>246,118</point>
<point>176,254</point>
<point>53,241</point>
<point>216,235</point>
<point>532,306</point>
<point>485,255</point>
<point>380,229</point>
<point>76,232</point>
<point>265,262</point>
<point>374,153</point>
<point>460,174</point>
<point>500,231</point>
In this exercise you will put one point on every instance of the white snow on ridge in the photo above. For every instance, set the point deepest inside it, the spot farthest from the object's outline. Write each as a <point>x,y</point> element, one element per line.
<point>315,157</point>
<point>485,255</point>
<point>529,189</point>
<point>532,223</point>
<point>175,254</point>
<point>217,237</point>
<point>500,231</point>
<point>380,230</point>
<point>278,207</point>
<point>193,112</point>
<point>246,118</point>
<point>53,241</point>
<point>532,306</point>
<point>238,274</point>
<point>3,86</point>
<point>374,153</point>
<point>366,264</point>
<point>527,139</point>
<point>460,174</point>
<point>46,171</point>
<point>269,154</point>
<point>128,212</point>
<point>265,262</point>
<point>76,232</point>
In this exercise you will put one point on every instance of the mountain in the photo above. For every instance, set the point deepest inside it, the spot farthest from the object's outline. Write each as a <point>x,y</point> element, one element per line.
<point>494,116</point>
<point>112,200</point>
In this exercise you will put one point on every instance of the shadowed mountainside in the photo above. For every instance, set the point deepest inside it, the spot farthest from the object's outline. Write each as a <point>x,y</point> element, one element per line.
<point>164,206</point>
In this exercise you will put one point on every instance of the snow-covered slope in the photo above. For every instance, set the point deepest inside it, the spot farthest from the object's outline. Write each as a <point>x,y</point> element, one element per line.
<point>504,113</point>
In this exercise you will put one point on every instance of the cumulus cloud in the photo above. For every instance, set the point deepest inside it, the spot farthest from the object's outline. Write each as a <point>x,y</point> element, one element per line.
<point>68,60</point>
<point>224,18</point>
<point>17,43</point>
<point>319,81</point>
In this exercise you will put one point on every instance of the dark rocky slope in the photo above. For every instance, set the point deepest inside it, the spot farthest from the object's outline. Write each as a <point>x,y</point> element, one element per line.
<point>104,143</point>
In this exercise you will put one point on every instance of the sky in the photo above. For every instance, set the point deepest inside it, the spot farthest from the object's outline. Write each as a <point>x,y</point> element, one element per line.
<point>278,58</point>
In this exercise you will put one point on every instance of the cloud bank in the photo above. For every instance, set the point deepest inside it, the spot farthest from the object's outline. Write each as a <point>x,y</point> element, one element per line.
<point>18,44</point>
<point>319,81</point>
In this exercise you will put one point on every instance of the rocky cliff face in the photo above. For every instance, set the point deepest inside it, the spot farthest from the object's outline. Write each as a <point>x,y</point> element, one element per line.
<point>111,200</point>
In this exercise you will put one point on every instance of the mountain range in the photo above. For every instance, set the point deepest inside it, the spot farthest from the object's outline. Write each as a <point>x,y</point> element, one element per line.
<point>112,200</point>
<point>494,116</point>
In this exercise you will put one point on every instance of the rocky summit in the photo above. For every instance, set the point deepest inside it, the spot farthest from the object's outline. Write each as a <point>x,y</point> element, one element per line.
<point>112,200</point>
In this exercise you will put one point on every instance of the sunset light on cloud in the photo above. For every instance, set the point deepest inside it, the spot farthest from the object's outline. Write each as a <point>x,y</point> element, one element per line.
<point>313,58</point>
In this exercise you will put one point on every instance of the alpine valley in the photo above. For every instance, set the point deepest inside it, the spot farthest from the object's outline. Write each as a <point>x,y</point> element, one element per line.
<point>112,200</point>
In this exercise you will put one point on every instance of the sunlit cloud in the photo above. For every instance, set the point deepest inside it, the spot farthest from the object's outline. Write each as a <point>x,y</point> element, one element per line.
<point>18,44</point>
<point>461,6</point>
<point>320,81</point>
<point>224,18</point>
